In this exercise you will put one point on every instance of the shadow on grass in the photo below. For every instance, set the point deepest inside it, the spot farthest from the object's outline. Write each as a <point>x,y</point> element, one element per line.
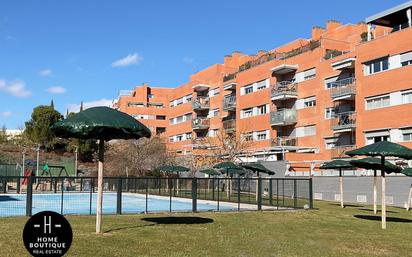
<point>346,205</point>
<point>378,218</point>
<point>366,209</point>
<point>178,220</point>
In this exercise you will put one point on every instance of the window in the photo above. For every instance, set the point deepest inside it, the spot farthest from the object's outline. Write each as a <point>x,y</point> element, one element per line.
<point>261,135</point>
<point>376,66</point>
<point>247,112</point>
<point>329,82</point>
<point>248,89</point>
<point>261,85</point>
<point>309,130</point>
<point>330,142</point>
<point>329,113</point>
<point>407,97</point>
<point>377,102</point>
<point>189,98</point>
<point>160,130</point>
<point>188,116</point>
<point>188,135</point>
<point>309,74</point>
<point>160,117</point>
<point>179,138</point>
<point>150,96</point>
<point>214,92</point>
<point>213,133</point>
<point>179,119</point>
<point>406,59</point>
<point>179,101</point>
<point>248,136</point>
<point>377,136</point>
<point>135,104</point>
<point>171,139</point>
<point>309,102</point>
<point>214,113</point>
<point>261,109</point>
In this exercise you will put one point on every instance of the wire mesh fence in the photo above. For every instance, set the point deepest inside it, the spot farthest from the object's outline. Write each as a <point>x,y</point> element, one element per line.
<point>78,195</point>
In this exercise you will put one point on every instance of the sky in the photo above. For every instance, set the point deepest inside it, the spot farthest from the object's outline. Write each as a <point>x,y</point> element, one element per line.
<point>87,50</point>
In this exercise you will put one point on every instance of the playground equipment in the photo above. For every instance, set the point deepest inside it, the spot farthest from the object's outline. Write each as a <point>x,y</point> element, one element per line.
<point>47,172</point>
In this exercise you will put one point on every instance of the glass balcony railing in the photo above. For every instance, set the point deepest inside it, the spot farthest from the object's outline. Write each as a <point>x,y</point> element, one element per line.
<point>285,141</point>
<point>201,103</point>
<point>344,122</point>
<point>283,117</point>
<point>343,87</point>
<point>200,123</point>
<point>229,103</point>
<point>340,150</point>
<point>229,125</point>
<point>284,90</point>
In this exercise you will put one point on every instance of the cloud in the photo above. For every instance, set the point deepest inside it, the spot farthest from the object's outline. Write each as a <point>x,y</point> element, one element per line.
<point>86,105</point>
<point>5,114</point>
<point>46,73</point>
<point>188,60</point>
<point>128,60</point>
<point>15,88</point>
<point>56,90</point>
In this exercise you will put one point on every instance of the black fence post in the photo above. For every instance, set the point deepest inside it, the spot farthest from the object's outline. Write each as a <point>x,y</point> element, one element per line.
<point>310,194</point>
<point>147,194</point>
<point>218,193</point>
<point>277,194</point>
<point>259,196</point>
<point>4,185</point>
<point>119,196</point>
<point>170,194</point>
<point>213,188</point>
<point>18,185</point>
<point>81,184</point>
<point>61,206</point>
<point>91,196</point>
<point>238,193</point>
<point>295,195</point>
<point>270,192</point>
<point>194,195</point>
<point>29,196</point>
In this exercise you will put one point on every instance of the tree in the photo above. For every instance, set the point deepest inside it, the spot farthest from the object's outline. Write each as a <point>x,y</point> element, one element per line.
<point>140,157</point>
<point>3,135</point>
<point>38,127</point>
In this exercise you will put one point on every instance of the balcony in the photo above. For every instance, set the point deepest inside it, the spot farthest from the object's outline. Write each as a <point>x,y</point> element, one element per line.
<point>201,143</point>
<point>201,103</point>
<point>339,151</point>
<point>344,122</point>
<point>284,90</point>
<point>285,141</point>
<point>283,117</point>
<point>200,87</point>
<point>230,86</point>
<point>229,103</point>
<point>284,69</point>
<point>200,123</point>
<point>229,125</point>
<point>343,89</point>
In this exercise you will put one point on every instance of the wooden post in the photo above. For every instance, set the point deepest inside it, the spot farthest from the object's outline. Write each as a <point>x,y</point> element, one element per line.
<point>100,188</point>
<point>383,193</point>
<point>408,204</point>
<point>341,187</point>
<point>375,192</point>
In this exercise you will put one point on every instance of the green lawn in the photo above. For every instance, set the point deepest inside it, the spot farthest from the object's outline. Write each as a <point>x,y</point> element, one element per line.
<point>326,231</point>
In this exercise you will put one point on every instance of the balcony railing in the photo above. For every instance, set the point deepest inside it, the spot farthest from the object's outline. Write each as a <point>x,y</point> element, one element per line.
<point>229,125</point>
<point>229,103</point>
<point>343,87</point>
<point>284,90</point>
<point>285,141</point>
<point>339,151</point>
<point>201,103</point>
<point>200,123</point>
<point>283,117</point>
<point>344,122</point>
<point>201,143</point>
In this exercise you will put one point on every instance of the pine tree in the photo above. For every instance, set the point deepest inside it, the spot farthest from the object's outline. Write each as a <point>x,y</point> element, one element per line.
<point>52,104</point>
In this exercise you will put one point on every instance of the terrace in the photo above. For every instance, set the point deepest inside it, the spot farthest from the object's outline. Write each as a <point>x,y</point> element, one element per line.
<point>283,117</point>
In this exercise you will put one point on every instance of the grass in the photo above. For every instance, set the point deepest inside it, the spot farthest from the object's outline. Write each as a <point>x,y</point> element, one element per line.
<point>326,231</point>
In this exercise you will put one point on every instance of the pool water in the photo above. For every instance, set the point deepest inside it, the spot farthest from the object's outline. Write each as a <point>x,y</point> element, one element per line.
<point>85,203</point>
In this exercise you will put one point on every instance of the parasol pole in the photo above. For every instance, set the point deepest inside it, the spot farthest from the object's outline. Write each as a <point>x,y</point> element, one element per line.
<point>408,205</point>
<point>341,187</point>
<point>375,192</point>
<point>100,188</point>
<point>383,193</point>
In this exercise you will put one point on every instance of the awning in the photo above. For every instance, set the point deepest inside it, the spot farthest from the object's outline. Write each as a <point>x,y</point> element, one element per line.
<point>344,64</point>
<point>284,68</point>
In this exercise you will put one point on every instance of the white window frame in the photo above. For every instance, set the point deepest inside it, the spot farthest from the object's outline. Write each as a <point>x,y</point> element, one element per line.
<point>407,93</point>
<point>329,113</point>
<point>375,98</point>
<point>260,134</point>
<point>248,87</point>
<point>370,65</point>
<point>309,102</point>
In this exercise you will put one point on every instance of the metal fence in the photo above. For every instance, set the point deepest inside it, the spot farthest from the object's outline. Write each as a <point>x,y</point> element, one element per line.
<point>21,196</point>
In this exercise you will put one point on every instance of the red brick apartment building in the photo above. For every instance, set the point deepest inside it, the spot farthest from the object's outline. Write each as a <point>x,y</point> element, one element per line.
<point>310,99</point>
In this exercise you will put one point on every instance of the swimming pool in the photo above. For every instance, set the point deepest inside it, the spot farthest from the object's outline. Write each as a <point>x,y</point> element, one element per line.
<point>85,203</point>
